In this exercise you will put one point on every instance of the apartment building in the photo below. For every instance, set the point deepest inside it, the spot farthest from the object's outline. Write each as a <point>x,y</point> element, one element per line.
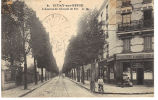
<point>129,48</point>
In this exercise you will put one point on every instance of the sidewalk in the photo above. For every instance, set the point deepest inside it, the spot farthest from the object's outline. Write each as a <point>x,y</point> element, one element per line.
<point>20,92</point>
<point>9,85</point>
<point>113,89</point>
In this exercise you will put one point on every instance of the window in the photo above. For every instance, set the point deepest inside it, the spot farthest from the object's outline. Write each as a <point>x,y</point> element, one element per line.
<point>147,43</point>
<point>126,3</point>
<point>107,16</point>
<point>147,14</point>
<point>126,18</point>
<point>126,45</point>
<point>148,70</point>
<point>148,18</point>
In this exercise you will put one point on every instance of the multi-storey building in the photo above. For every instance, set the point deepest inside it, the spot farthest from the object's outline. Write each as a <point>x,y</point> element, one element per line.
<point>129,30</point>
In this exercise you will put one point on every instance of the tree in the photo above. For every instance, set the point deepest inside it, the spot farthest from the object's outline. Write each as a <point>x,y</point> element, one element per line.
<point>84,48</point>
<point>37,43</point>
<point>22,32</point>
<point>11,42</point>
<point>18,33</point>
<point>25,22</point>
<point>41,47</point>
<point>91,29</point>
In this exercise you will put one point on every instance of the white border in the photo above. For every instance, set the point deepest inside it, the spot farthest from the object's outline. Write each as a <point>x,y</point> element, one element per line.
<point>114,98</point>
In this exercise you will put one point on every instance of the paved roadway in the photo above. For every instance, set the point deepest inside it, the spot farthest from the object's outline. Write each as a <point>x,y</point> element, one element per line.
<point>60,87</point>
<point>63,87</point>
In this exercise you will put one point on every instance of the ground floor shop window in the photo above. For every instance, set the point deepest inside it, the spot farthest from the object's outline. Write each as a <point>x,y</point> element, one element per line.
<point>148,70</point>
<point>134,73</point>
<point>142,72</point>
<point>111,73</point>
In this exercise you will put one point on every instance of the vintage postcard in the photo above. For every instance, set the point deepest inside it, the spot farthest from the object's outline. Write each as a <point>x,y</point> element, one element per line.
<point>77,48</point>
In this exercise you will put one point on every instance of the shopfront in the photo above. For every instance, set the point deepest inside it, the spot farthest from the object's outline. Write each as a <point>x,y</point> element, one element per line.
<point>109,75</point>
<point>137,67</point>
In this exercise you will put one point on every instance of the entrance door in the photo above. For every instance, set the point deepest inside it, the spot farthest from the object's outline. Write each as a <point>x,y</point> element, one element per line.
<point>140,76</point>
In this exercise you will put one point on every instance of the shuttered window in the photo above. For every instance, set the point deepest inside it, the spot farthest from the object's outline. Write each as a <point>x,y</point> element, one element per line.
<point>107,16</point>
<point>126,45</point>
<point>147,43</point>
<point>148,18</point>
<point>126,18</point>
<point>147,14</point>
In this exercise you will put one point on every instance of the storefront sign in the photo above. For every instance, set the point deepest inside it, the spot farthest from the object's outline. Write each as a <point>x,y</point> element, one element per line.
<point>134,56</point>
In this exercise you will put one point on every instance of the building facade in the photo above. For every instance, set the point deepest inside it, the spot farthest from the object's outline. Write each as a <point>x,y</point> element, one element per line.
<point>129,48</point>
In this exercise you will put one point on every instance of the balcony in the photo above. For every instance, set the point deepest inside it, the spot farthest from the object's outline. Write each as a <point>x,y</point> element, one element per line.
<point>147,1</point>
<point>126,3</point>
<point>135,25</point>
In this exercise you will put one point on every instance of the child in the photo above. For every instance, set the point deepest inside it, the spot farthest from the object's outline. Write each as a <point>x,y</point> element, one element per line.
<point>100,85</point>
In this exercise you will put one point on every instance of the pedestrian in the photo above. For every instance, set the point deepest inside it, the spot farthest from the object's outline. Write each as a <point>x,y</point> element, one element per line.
<point>100,85</point>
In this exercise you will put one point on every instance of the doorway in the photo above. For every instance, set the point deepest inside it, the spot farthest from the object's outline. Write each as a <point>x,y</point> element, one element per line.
<point>140,76</point>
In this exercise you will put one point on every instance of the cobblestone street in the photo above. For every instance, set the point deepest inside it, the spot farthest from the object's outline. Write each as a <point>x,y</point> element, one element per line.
<point>60,87</point>
<point>63,87</point>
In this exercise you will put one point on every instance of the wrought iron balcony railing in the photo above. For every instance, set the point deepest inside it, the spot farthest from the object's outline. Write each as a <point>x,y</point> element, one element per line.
<point>147,1</point>
<point>135,25</point>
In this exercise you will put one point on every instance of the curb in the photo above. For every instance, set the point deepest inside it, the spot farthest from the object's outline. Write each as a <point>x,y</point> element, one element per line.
<point>80,85</point>
<point>111,92</point>
<point>33,89</point>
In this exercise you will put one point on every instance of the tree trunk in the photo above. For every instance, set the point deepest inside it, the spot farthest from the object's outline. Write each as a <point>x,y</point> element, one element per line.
<point>25,72</point>
<point>45,75</point>
<point>69,74</point>
<point>48,75</point>
<point>82,74</point>
<point>87,74</point>
<point>92,83</point>
<point>74,74</point>
<point>12,69</point>
<point>35,69</point>
<point>41,74</point>
<point>78,74</point>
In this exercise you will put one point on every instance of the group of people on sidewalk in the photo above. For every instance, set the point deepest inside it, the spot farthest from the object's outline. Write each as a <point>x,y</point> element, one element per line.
<point>100,85</point>
<point>125,82</point>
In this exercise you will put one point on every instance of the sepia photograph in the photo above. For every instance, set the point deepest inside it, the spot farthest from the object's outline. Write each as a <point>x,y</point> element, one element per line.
<point>77,48</point>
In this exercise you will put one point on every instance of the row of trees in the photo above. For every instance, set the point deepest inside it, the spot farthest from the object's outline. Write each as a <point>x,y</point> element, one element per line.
<point>85,47</point>
<point>23,34</point>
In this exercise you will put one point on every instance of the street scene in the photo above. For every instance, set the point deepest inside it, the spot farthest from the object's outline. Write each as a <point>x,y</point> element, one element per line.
<point>64,87</point>
<point>60,87</point>
<point>71,48</point>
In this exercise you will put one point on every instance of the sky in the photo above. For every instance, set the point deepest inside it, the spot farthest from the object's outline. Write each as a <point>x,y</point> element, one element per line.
<point>60,24</point>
